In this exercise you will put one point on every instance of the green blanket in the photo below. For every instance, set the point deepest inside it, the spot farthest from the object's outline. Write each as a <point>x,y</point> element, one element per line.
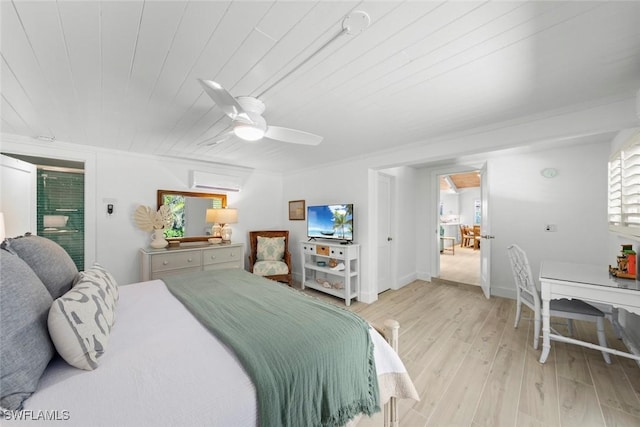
<point>310,361</point>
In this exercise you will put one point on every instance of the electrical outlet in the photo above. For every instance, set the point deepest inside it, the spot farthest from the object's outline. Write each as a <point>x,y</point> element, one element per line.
<point>551,228</point>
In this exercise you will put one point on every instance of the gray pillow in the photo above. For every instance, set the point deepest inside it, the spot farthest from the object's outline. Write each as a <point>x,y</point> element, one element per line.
<point>48,260</point>
<point>26,347</point>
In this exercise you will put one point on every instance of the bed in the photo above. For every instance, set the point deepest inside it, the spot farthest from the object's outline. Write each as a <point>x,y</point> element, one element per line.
<point>162,364</point>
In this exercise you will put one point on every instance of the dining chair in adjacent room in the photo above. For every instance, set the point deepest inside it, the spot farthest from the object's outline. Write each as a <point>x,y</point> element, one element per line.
<point>466,236</point>
<point>571,309</point>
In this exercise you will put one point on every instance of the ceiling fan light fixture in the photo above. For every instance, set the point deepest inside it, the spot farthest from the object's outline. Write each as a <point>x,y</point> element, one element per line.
<point>248,132</point>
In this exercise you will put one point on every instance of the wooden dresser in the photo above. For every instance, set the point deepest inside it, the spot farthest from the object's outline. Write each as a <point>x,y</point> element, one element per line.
<point>158,263</point>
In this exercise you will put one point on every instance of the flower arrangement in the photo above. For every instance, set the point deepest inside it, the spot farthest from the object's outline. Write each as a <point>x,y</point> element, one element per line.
<point>148,219</point>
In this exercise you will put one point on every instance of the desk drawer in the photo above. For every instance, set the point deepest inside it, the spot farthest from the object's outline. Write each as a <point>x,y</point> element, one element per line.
<point>222,255</point>
<point>176,260</point>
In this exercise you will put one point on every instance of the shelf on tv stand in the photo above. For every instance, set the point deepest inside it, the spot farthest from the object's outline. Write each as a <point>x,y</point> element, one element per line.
<point>315,251</point>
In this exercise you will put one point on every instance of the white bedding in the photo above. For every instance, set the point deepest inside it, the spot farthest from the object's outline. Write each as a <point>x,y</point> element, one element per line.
<point>159,370</point>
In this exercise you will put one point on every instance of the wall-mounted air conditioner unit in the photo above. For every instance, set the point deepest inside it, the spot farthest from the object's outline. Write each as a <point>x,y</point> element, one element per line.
<point>214,181</point>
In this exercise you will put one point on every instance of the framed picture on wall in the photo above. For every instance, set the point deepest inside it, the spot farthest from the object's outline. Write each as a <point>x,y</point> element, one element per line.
<point>296,210</point>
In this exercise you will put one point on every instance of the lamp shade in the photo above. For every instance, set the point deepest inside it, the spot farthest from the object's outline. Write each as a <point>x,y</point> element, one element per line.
<point>222,216</point>
<point>211,215</point>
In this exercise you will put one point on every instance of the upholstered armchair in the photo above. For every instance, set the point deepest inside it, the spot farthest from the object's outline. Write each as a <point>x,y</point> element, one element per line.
<point>270,256</point>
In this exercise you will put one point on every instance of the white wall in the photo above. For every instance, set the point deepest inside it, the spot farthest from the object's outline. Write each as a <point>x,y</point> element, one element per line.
<point>450,203</point>
<point>327,185</point>
<point>129,180</point>
<point>468,197</point>
<point>522,202</point>
<point>352,183</point>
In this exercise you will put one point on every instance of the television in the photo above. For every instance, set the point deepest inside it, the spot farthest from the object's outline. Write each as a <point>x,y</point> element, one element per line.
<point>333,222</point>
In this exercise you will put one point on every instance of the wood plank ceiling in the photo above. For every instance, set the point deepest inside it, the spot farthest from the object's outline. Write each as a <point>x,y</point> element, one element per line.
<point>460,181</point>
<point>122,75</point>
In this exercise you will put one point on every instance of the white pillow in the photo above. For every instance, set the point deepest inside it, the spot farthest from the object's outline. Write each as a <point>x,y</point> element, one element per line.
<point>80,322</point>
<point>104,280</point>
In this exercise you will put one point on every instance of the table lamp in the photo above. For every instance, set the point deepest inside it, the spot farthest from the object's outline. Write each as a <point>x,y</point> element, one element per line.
<point>211,218</point>
<point>223,217</point>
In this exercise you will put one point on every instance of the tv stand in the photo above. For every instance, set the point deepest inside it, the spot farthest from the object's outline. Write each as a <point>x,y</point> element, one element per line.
<point>319,275</point>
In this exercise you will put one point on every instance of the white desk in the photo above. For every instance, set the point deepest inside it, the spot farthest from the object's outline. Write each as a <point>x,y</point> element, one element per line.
<point>590,283</point>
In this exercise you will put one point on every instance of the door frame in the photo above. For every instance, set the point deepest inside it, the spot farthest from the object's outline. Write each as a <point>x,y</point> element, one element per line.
<point>14,205</point>
<point>485,245</point>
<point>392,232</point>
<point>14,144</point>
<point>433,217</point>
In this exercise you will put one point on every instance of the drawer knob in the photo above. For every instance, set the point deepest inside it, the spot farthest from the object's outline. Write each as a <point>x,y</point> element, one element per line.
<point>165,262</point>
<point>189,260</point>
<point>213,257</point>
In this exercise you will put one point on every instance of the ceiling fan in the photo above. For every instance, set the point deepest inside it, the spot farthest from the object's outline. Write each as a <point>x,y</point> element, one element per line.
<point>247,121</point>
<point>246,111</point>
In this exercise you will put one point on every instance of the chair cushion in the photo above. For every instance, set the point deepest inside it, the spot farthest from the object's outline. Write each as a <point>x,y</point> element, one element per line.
<point>270,268</point>
<point>26,346</point>
<point>574,306</point>
<point>270,248</point>
<point>51,263</point>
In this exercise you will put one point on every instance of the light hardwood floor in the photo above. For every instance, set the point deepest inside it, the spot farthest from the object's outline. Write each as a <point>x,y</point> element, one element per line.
<point>471,367</point>
<point>462,265</point>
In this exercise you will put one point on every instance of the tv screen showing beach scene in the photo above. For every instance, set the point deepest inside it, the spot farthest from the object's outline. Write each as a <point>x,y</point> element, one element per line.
<point>330,222</point>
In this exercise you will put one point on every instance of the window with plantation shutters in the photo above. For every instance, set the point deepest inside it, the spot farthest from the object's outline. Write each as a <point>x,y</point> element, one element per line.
<point>624,188</point>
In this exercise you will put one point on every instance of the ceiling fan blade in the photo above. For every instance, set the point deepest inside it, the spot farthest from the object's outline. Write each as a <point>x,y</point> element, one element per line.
<point>293,136</point>
<point>223,99</point>
<point>221,137</point>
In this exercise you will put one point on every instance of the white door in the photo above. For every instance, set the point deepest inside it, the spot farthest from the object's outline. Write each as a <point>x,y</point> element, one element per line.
<point>18,191</point>
<point>384,232</point>
<point>485,230</point>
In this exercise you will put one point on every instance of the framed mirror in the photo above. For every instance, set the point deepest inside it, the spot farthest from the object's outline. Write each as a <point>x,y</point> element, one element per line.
<point>189,211</point>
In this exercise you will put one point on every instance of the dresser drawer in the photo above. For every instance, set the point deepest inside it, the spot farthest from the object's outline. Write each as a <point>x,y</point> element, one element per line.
<point>176,260</point>
<point>166,273</point>
<point>222,255</point>
<point>155,263</point>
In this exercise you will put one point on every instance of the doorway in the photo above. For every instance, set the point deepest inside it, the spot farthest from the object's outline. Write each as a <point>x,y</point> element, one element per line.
<point>58,203</point>
<point>459,217</point>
